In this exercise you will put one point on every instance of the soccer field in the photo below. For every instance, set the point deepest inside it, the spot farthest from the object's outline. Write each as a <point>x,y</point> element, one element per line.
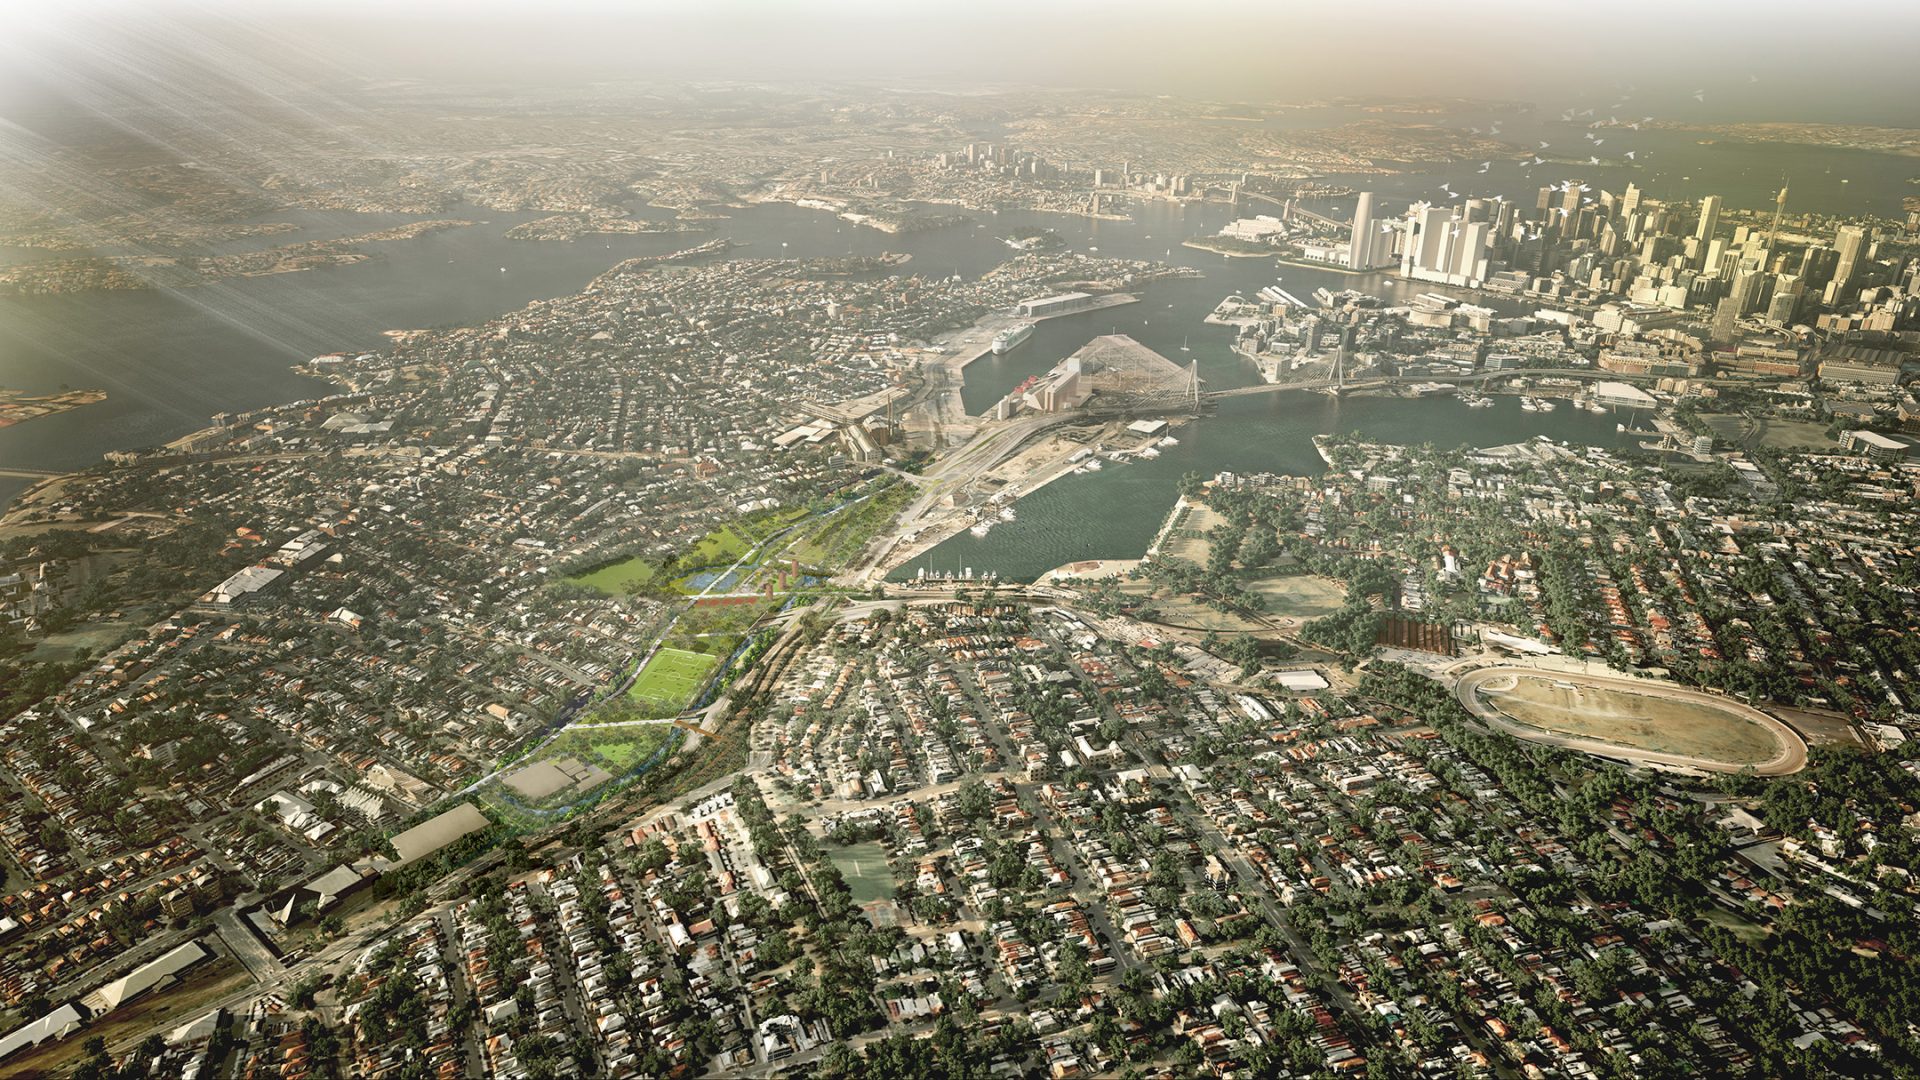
<point>671,678</point>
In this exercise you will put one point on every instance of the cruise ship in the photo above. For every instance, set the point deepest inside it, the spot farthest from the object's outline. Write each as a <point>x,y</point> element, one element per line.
<point>1008,340</point>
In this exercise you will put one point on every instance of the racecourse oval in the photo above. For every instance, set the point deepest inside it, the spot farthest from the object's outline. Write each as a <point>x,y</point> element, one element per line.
<point>1634,720</point>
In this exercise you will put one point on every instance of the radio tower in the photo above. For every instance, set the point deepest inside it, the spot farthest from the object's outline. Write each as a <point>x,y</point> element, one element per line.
<point>1779,207</point>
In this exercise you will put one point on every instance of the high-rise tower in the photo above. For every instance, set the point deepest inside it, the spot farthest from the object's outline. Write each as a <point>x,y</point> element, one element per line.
<point>1360,247</point>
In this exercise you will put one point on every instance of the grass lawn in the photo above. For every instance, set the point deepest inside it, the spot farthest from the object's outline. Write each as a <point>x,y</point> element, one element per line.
<point>617,748</point>
<point>1639,721</point>
<point>573,767</point>
<point>1303,596</point>
<point>1774,434</point>
<point>722,544</point>
<point>864,866</point>
<point>620,578</point>
<point>671,678</point>
<point>842,536</point>
<point>623,748</point>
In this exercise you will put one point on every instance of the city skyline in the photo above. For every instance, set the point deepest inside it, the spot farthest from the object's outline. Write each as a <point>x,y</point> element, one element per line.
<point>901,540</point>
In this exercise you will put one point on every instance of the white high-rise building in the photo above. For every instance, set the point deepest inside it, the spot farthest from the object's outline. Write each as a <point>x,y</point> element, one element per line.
<point>1361,246</point>
<point>1703,232</point>
<point>1443,246</point>
<point>1709,218</point>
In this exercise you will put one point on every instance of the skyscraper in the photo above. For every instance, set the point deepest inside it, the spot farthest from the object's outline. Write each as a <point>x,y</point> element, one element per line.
<point>1852,244</point>
<point>1703,232</point>
<point>1443,246</point>
<point>1709,219</point>
<point>1361,246</point>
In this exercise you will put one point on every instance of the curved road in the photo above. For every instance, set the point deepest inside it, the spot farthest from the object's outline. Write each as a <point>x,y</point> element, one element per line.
<point>1791,759</point>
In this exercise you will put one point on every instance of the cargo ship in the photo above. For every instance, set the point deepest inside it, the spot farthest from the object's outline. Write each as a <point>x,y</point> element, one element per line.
<point>1010,339</point>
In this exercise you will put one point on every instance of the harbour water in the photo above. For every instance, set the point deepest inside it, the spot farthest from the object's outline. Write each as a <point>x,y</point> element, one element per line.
<point>170,359</point>
<point>1114,513</point>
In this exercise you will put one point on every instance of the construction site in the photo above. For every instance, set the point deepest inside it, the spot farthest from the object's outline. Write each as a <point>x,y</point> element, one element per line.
<point>1111,399</point>
<point>1111,373</point>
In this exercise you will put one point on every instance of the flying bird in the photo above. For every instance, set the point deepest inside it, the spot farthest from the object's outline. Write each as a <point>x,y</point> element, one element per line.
<point>1629,155</point>
<point>1593,161</point>
<point>1699,95</point>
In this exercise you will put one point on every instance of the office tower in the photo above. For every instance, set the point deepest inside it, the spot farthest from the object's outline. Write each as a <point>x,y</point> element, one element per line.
<point>1470,249</point>
<point>1545,201</point>
<point>1852,245</point>
<point>1787,292</point>
<point>1816,265</point>
<point>1716,251</point>
<point>1433,231</point>
<point>1442,246</point>
<point>1709,218</point>
<point>1630,201</point>
<point>1745,293</point>
<point>1726,319</point>
<point>1703,232</point>
<point>1360,247</point>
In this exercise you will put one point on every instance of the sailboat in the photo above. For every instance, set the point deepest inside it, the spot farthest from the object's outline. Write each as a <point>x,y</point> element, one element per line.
<point>1183,345</point>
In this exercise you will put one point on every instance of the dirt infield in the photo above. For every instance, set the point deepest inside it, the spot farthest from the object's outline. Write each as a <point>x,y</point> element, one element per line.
<point>1632,719</point>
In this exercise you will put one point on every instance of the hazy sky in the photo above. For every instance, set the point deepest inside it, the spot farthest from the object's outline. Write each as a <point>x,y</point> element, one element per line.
<point>1836,60</point>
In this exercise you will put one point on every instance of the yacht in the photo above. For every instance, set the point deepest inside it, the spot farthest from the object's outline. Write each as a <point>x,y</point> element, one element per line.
<point>1529,404</point>
<point>1545,405</point>
<point>980,528</point>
